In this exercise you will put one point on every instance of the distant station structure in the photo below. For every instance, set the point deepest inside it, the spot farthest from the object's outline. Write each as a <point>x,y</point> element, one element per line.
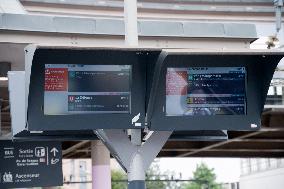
<point>220,26</point>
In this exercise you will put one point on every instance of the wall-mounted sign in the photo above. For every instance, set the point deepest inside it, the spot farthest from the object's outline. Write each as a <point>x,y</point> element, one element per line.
<point>30,164</point>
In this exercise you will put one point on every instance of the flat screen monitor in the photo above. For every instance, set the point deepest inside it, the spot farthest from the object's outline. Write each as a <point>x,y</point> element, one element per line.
<point>86,89</point>
<point>205,91</point>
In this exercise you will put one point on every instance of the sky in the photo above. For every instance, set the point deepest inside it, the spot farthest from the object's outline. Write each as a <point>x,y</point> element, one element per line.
<point>226,169</point>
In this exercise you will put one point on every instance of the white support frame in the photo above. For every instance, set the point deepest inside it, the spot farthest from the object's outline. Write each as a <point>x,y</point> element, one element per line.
<point>18,101</point>
<point>19,83</point>
<point>130,22</point>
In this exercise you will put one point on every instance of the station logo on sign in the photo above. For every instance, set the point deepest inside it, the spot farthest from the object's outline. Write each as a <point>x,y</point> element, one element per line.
<point>135,119</point>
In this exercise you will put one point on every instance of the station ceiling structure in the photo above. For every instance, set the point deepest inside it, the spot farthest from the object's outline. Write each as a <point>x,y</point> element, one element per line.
<point>268,142</point>
<point>158,9</point>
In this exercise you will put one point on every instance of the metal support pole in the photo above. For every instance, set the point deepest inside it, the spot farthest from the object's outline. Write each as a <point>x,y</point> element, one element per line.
<point>282,99</point>
<point>101,174</point>
<point>0,117</point>
<point>136,136</point>
<point>136,172</point>
<point>135,159</point>
<point>130,21</point>
<point>136,185</point>
<point>278,12</point>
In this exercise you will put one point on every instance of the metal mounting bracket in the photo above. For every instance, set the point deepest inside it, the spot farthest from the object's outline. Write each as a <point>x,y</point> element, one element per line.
<point>134,159</point>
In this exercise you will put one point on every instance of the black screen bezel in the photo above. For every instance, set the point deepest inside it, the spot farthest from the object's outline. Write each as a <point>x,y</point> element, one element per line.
<point>37,121</point>
<point>259,70</point>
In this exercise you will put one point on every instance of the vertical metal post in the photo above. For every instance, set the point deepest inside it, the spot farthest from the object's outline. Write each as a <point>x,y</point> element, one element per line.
<point>136,174</point>
<point>282,99</point>
<point>136,137</point>
<point>135,159</point>
<point>130,21</point>
<point>0,117</point>
<point>278,14</point>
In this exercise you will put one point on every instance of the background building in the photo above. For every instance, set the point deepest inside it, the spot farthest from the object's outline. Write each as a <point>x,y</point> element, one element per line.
<point>262,173</point>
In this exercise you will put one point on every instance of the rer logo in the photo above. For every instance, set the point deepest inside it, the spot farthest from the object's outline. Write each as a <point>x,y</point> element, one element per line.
<point>39,151</point>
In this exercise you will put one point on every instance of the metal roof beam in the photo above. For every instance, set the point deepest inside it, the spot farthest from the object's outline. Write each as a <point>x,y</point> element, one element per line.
<point>204,6</point>
<point>115,27</point>
<point>74,147</point>
<point>225,150</point>
<point>229,141</point>
<point>231,154</point>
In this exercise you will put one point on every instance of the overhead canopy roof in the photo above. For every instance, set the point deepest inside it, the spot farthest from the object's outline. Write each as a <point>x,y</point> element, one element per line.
<point>179,5</point>
<point>57,24</point>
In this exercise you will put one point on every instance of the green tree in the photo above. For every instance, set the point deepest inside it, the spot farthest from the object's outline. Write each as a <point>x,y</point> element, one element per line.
<point>204,178</point>
<point>117,177</point>
<point>154,173</point>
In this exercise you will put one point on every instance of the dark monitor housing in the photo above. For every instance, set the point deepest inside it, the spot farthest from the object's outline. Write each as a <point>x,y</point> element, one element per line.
<point>55,135</point>
<point>87,89</point>
<point>210,90</point>
<point>205,135</point>
<point>73,89</point>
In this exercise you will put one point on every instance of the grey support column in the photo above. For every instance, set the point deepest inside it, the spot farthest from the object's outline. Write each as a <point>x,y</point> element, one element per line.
<point>0,117</point>
<point>101,173</point>
<point>282,99</point>
<point>138,184</point>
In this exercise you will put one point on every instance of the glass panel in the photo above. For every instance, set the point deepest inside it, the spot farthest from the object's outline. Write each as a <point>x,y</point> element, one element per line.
<point>85,89</point>
<point>200,91</point>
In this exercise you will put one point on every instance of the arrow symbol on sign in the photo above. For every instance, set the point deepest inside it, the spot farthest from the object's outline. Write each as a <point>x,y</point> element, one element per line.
<point>54,151</point>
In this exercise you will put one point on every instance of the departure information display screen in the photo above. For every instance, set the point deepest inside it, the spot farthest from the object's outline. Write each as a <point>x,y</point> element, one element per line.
<point>85,89</point>
<point>198,91</point>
